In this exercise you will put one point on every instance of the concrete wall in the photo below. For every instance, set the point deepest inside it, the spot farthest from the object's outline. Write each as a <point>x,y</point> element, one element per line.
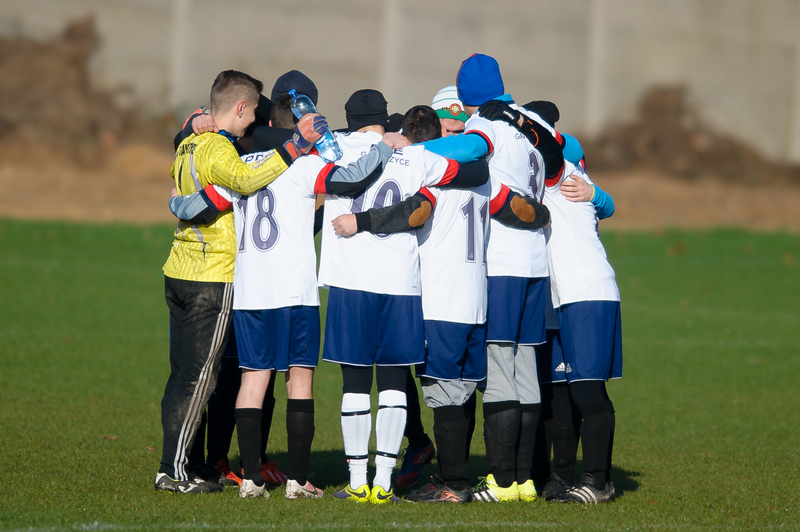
<point>594,58</point>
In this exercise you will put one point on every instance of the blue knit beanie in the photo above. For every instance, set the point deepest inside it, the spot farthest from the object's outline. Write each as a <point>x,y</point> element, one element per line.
<point>479,80</point>
<point>572,149</point>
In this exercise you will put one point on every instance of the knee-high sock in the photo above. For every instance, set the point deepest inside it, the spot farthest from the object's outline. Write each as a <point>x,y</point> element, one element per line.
<point>248,427</point>
<point>267,409</point>
<point>197,455</point>
<point>528,425</point>
<point>356,428</point>
<point>469,411</point>
<point>221,407</point>
<point>565,431</point>
<point>415,432</point>
<point>450,430</point>
<point>299,435</point>
<point>540,471</point>
<point>389,427</point>
<point>597,433</point>
<point>500,430</point>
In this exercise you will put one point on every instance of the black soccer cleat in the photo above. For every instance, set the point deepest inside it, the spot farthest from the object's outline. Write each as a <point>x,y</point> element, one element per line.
<point>197,485</point>
<point>585,492</point>
<point>555,487</point>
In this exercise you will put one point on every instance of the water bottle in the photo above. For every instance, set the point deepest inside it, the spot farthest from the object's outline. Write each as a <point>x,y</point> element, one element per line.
<point>327,146</point>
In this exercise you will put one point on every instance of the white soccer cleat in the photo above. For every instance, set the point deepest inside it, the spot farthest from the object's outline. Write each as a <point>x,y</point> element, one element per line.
<point>249,490</point>
<point>295,491</point>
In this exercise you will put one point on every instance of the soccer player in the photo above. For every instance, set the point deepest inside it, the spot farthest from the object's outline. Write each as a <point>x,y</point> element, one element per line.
<point>222,404</point>
<point>276,316</point>
<point>453,272</point>
<point>517,270</point>
<point>588,346</point>
<point>374,315</point>
<point>420,448</point>
<point>199,270</point>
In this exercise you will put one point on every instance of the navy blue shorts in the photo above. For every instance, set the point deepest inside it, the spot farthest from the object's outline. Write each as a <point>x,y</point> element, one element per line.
<point>516,310</point>
<point>454,351</point>
<point>277,338</point>
<point>591,338</point>
<point>550,365</point>
<point>364,328</point>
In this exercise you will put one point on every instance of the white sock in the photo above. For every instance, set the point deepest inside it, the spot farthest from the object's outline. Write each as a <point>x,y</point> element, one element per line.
<point>389,428</point>
<point>356,428</point>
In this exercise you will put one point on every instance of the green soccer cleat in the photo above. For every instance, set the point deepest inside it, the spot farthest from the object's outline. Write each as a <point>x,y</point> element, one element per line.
<point>381,496</point>
<point>360,494</point>
<point>527,491</point>
<point>489,491</point>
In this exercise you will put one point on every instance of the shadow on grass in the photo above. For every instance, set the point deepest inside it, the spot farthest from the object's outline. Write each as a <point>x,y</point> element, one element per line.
<point>328,470</point>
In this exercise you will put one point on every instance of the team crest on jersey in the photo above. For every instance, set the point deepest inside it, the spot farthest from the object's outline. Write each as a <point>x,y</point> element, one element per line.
<point>454,109</point>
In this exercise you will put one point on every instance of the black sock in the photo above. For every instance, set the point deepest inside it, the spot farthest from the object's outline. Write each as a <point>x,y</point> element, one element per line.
<point>528,424</point>
<point>565,431</point>
<point>221,408</point>
<point>469,411</point>
<point>450,430</point>
<point>248,427</point>
<point>415,432</point>
<point>197,455</point>
<point>268,408</point>
<point>500,430</point>
<point>299,435</point>
<point>596,438</point>
<point>540,470</point>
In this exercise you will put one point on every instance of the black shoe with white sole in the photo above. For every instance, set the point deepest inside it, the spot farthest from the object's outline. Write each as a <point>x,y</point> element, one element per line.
<point>197,485</point>
<point>585,492</point>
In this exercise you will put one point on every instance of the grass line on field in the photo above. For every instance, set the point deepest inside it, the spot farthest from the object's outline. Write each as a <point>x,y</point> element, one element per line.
<point>712,312</point>
<point>721,343</point>
<point>390,525</point>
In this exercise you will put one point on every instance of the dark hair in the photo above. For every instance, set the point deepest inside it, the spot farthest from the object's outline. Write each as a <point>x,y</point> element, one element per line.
<point>421,123</point>
<point>231,86</point>
<point>281,113</point>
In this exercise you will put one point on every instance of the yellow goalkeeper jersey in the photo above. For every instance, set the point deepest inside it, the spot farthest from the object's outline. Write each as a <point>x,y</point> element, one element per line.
<point>207,252</point>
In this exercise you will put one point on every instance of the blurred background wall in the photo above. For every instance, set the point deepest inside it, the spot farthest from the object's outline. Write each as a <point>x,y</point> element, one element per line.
<point>738,60</point>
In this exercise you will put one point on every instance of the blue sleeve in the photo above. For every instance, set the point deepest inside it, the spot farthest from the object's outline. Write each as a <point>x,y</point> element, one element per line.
<point>196,208</point>
<point>602,203</point>
<point>461,148</point>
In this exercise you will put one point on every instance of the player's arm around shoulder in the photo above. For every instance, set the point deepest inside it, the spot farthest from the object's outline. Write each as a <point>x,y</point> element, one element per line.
<point>353,179</point>
<point>220,164</point>
<point>203,207</point>
<point>514,210</point>
<point>407,215</point>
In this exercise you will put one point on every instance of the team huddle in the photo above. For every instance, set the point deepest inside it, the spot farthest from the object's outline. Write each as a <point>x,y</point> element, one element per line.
<point>459,238</point>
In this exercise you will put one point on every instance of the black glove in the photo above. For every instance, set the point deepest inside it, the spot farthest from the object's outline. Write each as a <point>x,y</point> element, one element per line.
<point>497,110</point>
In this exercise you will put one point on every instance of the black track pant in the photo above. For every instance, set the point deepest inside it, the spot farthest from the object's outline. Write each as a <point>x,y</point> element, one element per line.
<point>200,320</point>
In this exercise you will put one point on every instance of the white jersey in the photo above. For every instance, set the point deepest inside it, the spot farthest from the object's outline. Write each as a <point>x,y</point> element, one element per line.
<point>381,264</point>
<point>579,269</point>
<point>275,260</point>
<point>515,163</point>
<point>452,252</point>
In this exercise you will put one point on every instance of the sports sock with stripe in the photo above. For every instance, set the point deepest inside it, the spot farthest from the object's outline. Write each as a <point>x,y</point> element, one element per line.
<point>356,429</point>
<point>389,427</point>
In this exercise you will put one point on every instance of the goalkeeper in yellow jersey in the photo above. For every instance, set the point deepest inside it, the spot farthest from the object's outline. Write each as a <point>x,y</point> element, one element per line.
<point>199,270</point>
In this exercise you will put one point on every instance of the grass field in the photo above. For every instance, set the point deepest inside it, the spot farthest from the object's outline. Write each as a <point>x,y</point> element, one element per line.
<point>707,412</point>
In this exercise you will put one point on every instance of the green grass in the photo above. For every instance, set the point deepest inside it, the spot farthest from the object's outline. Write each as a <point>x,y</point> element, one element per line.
<point>707,413</point>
